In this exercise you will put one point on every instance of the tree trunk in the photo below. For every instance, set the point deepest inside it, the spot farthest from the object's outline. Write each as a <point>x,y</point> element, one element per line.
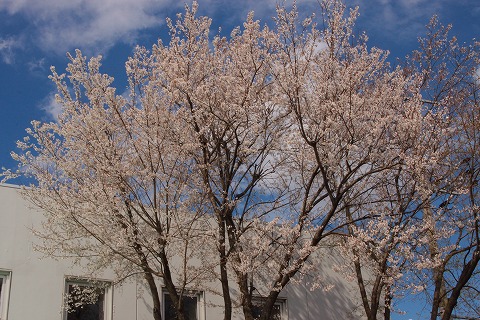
<point>466,274</point>
<point>246,297</point>
<point>439,293</point>
<point>157,311</point>
<point>147,271</point>
<point>268,305</point>
<point>388,303</point>
<point>172,290</point>
<point>227,300</point>
<point>370,310</point>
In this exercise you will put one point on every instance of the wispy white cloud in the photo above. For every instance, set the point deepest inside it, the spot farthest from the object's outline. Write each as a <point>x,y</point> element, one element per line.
<point>93,25</point>
<point>36,65</point>
<point>7,46</point>
<point>51,107</point>
<point>412,3</point>
<point>397,22</point>
<point>61,26</point>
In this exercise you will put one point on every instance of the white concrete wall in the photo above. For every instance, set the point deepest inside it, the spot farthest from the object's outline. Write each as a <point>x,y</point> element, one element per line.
<point>37,284</point>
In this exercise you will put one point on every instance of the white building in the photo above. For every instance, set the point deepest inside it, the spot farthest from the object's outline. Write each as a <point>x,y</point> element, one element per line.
<point>34,287</point>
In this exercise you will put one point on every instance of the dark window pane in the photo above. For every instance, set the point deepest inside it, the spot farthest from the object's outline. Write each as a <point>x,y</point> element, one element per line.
<point>258,307</point>
<point>257,310</point>
<point>85,303</point>
<point>189,307</point>
<point>277,312</point>
<point>170,313</point>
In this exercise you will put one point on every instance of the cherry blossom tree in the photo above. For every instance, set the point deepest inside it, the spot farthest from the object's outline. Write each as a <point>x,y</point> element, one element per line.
<point>221,90</point>
<point>426,239</point>
<point>381,247</point>
<point>450,88</point>
<point>237,156</point>
<point>112,181</point>
<point>129,182</point>
<point>354,119</point>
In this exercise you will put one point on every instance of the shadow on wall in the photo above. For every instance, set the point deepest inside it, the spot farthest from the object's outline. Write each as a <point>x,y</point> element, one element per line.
<point>209,300</point>
<point>144,303</point>
<point>337,298</point>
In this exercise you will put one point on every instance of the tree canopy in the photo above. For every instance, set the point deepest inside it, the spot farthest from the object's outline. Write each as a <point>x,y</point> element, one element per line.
<point>240,156</point>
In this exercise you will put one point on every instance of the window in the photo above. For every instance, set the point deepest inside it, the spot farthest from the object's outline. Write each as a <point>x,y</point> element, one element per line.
<point>279,308</point>
<point>87,300</point>
<point>192,305</point>
<point>4,293</point>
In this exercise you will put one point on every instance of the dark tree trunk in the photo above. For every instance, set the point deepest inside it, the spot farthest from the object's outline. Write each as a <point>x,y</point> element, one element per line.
<point>224,274</point>
<point>245,296</point>
<point>269,304</point>
<point>438,293</point>
<point>147,271</point>
<point>466,274</point>
<point>388,303</point>
<point>172,290</point>
<point>157,311</point>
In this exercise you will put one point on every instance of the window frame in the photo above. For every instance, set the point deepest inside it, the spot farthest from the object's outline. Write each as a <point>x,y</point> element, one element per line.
<point>6,277</point>
<point>90,282</point>
<point>200,295</point>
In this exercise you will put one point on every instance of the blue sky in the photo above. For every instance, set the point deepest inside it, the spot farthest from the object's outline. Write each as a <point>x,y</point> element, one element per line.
<point>36,34</point>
